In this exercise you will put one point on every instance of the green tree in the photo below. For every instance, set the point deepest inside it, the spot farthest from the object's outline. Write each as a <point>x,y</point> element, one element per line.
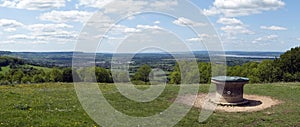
<point>120,76</point>
<point>87,74</point>
<point>143,73</point>
<point>47,77</point>
<point>205,72</point>
<point>188,75</point>
<point>56,75</point>
<point>288,77</point>
<point>26,79</point>
<point>175,77</point>
<point>38,79</point>
<point>102,75</point>
<point>2,76</point>
<point>17,76</point>
<point>265,71</point>
<point>290,61</point>
<point>67,75</point>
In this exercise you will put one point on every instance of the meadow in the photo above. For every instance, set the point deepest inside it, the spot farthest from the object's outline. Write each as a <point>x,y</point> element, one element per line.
<point>56,104</point>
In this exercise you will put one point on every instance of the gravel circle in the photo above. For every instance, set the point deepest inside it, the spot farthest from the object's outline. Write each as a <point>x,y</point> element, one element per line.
<point>256,103</point>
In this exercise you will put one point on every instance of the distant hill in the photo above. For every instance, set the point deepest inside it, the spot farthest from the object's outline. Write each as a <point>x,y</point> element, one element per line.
<point>64,59</point>
<point>6,60</point>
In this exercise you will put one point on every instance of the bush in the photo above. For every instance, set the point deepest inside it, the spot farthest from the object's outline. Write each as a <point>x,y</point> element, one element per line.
<point>5,82</point>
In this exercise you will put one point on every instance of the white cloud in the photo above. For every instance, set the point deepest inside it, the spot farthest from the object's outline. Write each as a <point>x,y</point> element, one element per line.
<point>187,22</point>
<point>230,21</point>
<point>274,28</point>
<point>10,29</point>
<point>119,32</point>
<point>200,38</point>
<point>131,17</point>
<point>265,39</point>
<point>66,16</point>
<point>125,6</point>
<point>163,4</point>
<point>157,22</point>
<point>10,23</point>
<point>21,37</point>
<point>26,39</point>
<point>124,29</point>
<point>234,8</point>
<point>45,33</point>
<point>212,11</point>
<point>7,42</point>
<point>33,4</point>
<point>298,39</point>
<point>131,30</point>
<point>195,40</point>
<point>94,3</point>
<point>148,27</point>
<point>47,27</point>
<point>151,40</point>
<point>233,27</point>
<point>233,30</point>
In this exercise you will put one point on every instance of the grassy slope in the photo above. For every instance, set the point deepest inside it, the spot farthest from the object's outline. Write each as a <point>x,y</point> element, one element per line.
<point>57,105</point>
<point>40,68</point>
<point>6,68</point>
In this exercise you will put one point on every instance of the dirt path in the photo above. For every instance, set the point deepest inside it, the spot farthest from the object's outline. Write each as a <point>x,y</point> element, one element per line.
<point>256,103</point>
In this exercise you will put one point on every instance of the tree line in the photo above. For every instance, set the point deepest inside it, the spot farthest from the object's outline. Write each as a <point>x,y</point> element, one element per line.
<point>283,69</point>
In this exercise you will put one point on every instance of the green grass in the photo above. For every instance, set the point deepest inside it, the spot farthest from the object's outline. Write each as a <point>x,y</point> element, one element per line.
<point>45,69</point>
<point>57,105</point>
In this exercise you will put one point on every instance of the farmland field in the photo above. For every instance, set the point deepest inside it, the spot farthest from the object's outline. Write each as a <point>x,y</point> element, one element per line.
<point>57,105</point>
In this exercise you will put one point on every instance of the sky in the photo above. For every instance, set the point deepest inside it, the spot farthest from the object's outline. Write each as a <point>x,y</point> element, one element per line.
<point>241,25</point>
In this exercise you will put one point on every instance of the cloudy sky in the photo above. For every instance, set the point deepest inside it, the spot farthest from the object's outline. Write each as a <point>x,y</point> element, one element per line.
<point>242,25</point>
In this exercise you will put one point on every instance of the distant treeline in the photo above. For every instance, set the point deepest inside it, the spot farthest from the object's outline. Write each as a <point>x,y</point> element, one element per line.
<point>284,69</point>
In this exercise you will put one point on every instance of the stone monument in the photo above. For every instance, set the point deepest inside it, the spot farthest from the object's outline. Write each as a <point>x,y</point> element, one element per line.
<point>233,91</point>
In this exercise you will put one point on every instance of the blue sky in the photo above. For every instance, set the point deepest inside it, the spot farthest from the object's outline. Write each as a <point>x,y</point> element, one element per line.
<point>242,25</point>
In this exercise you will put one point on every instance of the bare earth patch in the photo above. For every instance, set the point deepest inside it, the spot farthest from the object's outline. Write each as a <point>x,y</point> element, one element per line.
<point>256,103</point>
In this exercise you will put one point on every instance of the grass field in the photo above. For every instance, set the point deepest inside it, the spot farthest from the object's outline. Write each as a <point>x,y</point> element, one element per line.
<point>40,68</point>
<point>6,68</point>
<point>57,105</point>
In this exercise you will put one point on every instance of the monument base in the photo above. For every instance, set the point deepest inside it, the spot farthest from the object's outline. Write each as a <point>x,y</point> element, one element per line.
<point>244,102</point>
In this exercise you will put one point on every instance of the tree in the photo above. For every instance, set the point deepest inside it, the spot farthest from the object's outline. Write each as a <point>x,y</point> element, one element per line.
<point>120,76</point>
<point>47,77</point>
<point>87,74</point>
<point>56,75</point>
<point>67,75</point>
<point>265,71</point>
<point>38,79</point>
<point>143,73</point>
<point>205,72</point>
<point>288,77</point>
<point>290,61</point>
<point>234,71</point>
<point>102,75</point>
<point>26,79</point>
<point>175,77</point>
<point>2,76</point>
<point>189,74</point>
<point>17,76</point>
